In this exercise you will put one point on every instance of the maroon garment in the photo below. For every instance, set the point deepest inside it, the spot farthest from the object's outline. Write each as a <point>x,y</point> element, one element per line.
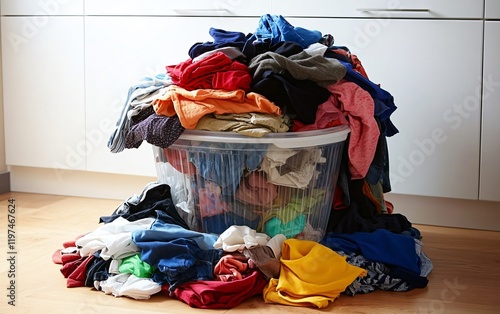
<point>59,258</point>
<point>75,271</point>
<point>216,71</point>
<point>219,294</point>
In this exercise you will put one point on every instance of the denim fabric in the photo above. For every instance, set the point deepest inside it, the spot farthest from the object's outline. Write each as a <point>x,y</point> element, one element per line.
<point>180,255</point>
<point>224,163</point>
<point>162,231</point>
<point>179,261</point>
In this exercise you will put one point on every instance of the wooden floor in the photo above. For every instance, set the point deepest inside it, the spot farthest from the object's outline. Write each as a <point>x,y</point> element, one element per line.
<point>465,279</point>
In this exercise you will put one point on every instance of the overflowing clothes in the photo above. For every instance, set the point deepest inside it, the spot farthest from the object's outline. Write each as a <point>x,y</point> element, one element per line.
<point>229,220</point>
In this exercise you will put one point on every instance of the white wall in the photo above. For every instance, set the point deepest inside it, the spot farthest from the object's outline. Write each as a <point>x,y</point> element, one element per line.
<point>3,166</point>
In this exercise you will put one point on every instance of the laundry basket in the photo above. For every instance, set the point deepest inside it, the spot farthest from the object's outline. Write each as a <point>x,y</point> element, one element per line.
<point>281,183</point>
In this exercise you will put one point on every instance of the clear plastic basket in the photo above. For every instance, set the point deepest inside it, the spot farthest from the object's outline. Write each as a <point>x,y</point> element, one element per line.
<point>280,183</point>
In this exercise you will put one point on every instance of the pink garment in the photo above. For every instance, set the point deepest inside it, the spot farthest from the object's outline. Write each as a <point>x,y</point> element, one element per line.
<point>256,190</point>
<point>209,200</point>
<point>327,116</point>
<point>232,267</point>
<point>358,106</point>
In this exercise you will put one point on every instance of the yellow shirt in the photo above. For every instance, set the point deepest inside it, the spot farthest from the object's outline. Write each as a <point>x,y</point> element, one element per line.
<point>311,275</point>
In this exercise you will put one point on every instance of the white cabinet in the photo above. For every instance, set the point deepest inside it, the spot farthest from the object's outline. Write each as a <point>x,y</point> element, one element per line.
<point>67,67</point>
<point>120,51</point>
<point>212,8</point>
<point>43,89</point>
<point>490,142</point>
<point>492,9</point>
<point>433,70</point>
<point>41,7</point>
<point>419,9</point>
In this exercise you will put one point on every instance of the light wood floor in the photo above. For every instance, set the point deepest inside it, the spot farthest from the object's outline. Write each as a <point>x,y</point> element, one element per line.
<point>465,279</point>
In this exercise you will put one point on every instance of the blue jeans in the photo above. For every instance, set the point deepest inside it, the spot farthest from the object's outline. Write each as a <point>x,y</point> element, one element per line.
<point>180,254</point>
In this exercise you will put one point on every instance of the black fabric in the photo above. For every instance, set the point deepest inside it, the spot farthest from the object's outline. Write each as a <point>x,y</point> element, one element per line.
<point>299,99</point>
<point>349,221</point>
<point>97,270</point>
<point>358,212</point>
<point>155,197</point>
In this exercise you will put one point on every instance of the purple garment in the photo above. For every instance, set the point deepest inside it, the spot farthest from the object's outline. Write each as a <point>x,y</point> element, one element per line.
<point>158,130</point>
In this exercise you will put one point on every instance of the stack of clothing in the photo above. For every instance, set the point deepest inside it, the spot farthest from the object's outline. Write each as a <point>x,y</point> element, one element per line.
<point>281,78</point>
<point>144,248</point>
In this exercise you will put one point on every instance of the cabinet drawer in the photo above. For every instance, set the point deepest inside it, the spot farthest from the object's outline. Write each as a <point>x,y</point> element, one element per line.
<point>36,7</point>
<point>492,9</point>
<point>425,9</point>
<point>177,8</point>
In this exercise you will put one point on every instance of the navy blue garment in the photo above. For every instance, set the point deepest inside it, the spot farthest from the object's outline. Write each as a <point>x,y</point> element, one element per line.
<point>275,28</point>
<point>286,48</point>
<point>377,93</point>
<point>414,280</point>
<point>379,167</point>
<point>155,197</point>
<point>222,38</point>
<point>179,261</point>
<point>220,223</point>
<point>380,246</point>
<point>97,270</point>
<point>384,101</point>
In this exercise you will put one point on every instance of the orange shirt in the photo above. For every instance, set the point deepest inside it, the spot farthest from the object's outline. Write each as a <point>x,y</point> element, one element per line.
<point>190,106</point>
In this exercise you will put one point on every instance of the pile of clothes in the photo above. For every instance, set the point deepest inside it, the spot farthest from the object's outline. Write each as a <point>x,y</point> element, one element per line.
<point>281,78</point>
<point>144,247</point>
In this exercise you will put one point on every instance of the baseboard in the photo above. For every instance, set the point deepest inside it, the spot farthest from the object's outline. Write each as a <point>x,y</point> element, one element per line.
<point>440,211</point>
<point>4,182</point>
<point>77,183</point>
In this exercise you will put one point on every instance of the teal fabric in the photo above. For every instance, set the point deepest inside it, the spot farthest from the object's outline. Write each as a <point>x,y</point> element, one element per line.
<point>290,229</point>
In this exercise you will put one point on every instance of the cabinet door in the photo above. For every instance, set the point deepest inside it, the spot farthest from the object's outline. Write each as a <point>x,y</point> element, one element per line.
<point>490,141</point>
<point>177,8</point>
<point>419,9</point>
<point>43,92</point>
<point>492,9</point>
<point>433,70</point>
<point>122,50</point>
<point>41,7</point>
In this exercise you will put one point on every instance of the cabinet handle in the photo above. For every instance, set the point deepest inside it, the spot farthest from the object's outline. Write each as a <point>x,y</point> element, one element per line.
<point>201,11</point>
<point>394,10</point>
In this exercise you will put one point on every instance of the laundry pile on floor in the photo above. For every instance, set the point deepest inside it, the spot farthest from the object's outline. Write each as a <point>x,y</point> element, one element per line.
<point>278,79</point>
<point>144,247</point>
